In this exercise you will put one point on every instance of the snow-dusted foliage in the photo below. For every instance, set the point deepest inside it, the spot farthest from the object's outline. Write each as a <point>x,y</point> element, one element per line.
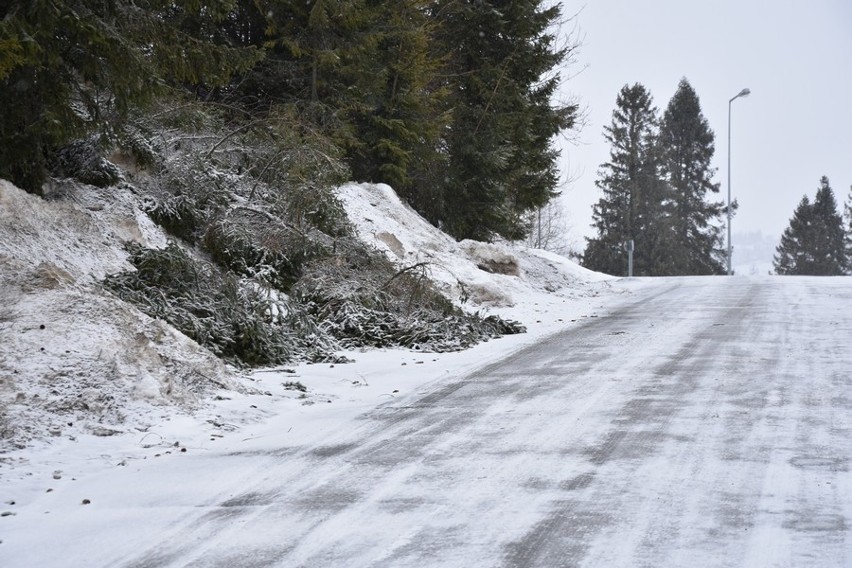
<point>364,300</point>
<point>234,320</point>
<point>255,245</point>
<point>264,212</point>
<point>220,244</point>
<point>83,160</point>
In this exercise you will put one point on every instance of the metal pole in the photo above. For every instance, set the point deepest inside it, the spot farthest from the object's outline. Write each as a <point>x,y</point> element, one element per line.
<point>630,258</point>
<point>538,244</point>
<point>730,271</point>
<point>743,93</point>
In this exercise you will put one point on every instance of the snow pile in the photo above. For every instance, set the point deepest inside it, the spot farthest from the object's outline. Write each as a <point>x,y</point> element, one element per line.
<point>491,258</point>
<point>75,359</point>
<point>485,274</point>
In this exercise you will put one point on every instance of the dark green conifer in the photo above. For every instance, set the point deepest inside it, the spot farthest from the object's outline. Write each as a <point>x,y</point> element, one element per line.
<point>72,67</point>
<point>396,112</point>
<point>500,75</point>
<point>687,148</point>
<point>793,254</point>
<point>814,242</point>
<point>829,250</point>
<point>633,203</point>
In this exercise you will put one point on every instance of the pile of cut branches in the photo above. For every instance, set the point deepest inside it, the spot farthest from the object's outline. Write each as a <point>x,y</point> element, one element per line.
<point>236,319</point>
<point>363,300</point>
<point>274,274</point>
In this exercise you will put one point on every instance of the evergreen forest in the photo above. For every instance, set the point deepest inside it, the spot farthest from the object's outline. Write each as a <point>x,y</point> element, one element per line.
<point>450,102</point>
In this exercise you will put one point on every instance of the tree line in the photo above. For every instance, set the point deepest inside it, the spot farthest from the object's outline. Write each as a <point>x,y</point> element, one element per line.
<point>449,101</point>
<point>818,240</point>
<point>657,189</point>
<point>658,192</point>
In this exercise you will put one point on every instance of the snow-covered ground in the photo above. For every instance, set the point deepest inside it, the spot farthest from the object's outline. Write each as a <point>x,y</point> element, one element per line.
<point>659,422</point>
<point>89,384</point>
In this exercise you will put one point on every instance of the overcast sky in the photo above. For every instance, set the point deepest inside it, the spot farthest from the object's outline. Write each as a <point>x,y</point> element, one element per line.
<point>795,56</point>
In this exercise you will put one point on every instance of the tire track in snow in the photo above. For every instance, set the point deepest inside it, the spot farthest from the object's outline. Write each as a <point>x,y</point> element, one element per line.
<point>681,430</point>
<point>640,426</point>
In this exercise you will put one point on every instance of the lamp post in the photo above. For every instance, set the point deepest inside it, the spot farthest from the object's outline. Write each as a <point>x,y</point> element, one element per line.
<point>743,93</point>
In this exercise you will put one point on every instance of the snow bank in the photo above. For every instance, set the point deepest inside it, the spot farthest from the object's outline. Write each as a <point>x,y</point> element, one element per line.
<point>484,274</point>
<point>74,359</point>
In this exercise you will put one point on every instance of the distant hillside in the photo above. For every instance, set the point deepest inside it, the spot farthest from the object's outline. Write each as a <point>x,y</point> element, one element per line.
<point>753,252</point>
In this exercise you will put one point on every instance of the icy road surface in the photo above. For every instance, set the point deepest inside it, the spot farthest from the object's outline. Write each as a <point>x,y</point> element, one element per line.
<point>706,422</point>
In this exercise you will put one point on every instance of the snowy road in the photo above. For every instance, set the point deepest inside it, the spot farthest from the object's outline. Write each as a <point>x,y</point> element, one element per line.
<point>704,423</point>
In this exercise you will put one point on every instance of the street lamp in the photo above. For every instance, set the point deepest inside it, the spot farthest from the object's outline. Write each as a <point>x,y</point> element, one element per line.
<point>743,93</point>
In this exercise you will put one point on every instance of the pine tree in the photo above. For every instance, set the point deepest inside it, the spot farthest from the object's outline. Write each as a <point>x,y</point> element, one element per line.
<point>814,243</point>
<point>396,110</point>
<point>501,58</point>
<point>687,147</point>
<point>72,67</point>
<point>829,247</point>
<point>633,201</point>
<point>793,253</point>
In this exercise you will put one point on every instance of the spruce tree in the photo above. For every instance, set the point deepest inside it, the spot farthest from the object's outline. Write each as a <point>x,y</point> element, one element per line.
<point>814,243</point>
<point>500,74</point>
<point>793,254</point>
<point>396,112</point>
<point>362,72</point>
<point>687,147</point>
<point>633,203</point>
<point>829,246</point>
<point>309,43</point>
<point>69,68</point>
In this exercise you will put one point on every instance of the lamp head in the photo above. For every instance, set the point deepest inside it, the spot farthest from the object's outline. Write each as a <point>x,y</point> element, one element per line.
<point>744,93</point>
